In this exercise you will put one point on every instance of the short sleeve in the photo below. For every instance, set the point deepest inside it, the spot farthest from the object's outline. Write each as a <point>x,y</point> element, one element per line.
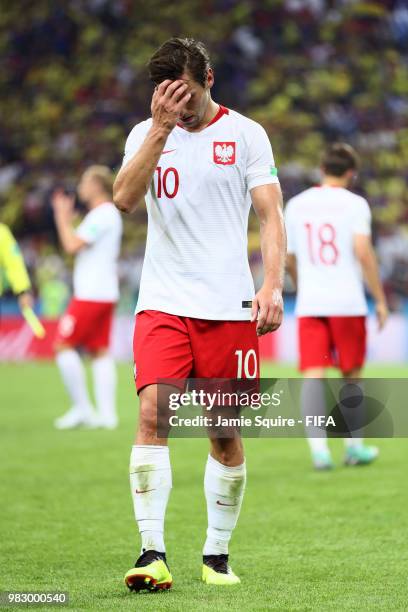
<point>260,168</point>
<point>362,218</point>
<point>134,141</point>
<point>290,228</point>
<point>92,227</point>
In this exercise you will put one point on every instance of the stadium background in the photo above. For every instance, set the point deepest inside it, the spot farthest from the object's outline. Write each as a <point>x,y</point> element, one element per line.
<point>311,71</point>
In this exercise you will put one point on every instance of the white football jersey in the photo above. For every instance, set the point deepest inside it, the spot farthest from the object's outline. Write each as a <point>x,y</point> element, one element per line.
<point>196,261</point>
<point>320,224</point>
<point>95,269</point>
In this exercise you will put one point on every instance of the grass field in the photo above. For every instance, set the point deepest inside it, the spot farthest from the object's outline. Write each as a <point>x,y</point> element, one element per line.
<point>305,540</point>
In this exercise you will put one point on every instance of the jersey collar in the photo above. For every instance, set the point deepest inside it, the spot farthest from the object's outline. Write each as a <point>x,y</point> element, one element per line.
<point>222,110</point>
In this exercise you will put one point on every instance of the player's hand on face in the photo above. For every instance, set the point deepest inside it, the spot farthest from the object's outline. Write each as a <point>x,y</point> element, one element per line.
<point>168,102</point>
<point>267,307</point>
<point>62,203</point>
<point>381,310</point>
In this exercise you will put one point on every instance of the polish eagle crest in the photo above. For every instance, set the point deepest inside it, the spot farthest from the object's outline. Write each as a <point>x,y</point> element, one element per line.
<point>224,153</point>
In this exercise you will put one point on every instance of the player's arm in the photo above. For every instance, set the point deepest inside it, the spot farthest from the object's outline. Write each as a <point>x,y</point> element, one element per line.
<point>365,254</point>
<point>291,260</point>
<point>12,261</point>
<point>63,206</point>
<point>268,303</point>
<point>291,267</point>
<point>134,178</point>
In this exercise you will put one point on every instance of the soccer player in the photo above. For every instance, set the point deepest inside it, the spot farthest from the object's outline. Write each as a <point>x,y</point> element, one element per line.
<point>198,165</point>
<point>88,318</point>
<point>12,263</point>
<point>329,252</point>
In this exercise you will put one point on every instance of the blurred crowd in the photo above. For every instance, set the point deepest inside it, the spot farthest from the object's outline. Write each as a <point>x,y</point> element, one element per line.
<point>74,82</point>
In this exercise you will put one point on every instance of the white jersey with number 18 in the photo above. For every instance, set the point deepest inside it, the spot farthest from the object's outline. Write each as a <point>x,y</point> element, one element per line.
<point>196,262</point>
<point>321,223</point>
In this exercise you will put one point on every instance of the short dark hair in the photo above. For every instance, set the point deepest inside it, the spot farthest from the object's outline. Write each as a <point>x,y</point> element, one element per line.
<point>177,55</point>
<point>338,159</point>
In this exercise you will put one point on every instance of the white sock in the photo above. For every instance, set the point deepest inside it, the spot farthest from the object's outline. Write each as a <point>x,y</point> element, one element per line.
<point>313,403</point>
<point>356,420</point>
<point>224,490</point>
<point>104,377</point>
<point>318,445</point>
<point>73,374</point>
<point>353,442</point>
<point>150,484</point>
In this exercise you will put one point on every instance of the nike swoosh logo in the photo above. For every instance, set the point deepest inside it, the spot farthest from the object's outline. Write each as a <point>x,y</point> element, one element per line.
<point>221,504</point>
<point>168,151</point>
<point>145,490</point>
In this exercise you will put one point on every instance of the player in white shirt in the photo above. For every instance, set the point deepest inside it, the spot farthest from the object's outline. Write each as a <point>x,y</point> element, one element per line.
<point>87,321</point>
<point>199,166</point>
<point>329,253</point>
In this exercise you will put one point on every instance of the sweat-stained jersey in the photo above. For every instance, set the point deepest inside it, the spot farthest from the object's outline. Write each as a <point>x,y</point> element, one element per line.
<point>196,262</point>
<point>321,223</point>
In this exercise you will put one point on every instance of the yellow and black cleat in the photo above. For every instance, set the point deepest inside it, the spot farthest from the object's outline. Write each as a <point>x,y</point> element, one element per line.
<point>150,573</point>
<point>217,571</point>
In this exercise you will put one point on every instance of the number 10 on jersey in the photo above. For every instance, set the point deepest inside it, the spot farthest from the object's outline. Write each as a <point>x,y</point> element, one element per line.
<point>167,182</point>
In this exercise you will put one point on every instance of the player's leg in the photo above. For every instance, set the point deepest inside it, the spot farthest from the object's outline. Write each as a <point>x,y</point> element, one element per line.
<point>69,335</point>
<point>150,474</point>
<point>350,338</point>
<point>161,350</point>
<point>103,366</point>
<point>358,453</point>
<point>315,356</point>
<point>224,487</point>
<point>313,404</point>
<point>104,381</point>
<point>150,485</point>
<point>221,350</point>
<point>72,372</point>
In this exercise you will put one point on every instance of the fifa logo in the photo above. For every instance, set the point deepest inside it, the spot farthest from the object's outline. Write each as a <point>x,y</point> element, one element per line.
<point>224,153</point>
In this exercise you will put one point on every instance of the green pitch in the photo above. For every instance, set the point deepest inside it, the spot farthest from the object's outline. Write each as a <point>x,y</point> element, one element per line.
<point>305,540</point>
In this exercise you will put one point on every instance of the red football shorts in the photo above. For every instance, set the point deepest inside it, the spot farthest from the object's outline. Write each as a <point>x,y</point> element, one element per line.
<point>332,341</point>
<point>170,346</point>
<point>86,324</point>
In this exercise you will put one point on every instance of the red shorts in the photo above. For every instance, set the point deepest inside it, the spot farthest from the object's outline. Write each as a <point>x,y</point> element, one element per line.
<point>332,341</point>
<point>170,346</point>
<point>86,324</point>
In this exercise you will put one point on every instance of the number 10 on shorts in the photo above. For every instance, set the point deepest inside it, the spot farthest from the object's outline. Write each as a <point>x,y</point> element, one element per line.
<point>247,366</point>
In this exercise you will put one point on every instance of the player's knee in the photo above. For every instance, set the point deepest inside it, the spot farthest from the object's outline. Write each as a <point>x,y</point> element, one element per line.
<point>148,418</point>
<point>314,373</point>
